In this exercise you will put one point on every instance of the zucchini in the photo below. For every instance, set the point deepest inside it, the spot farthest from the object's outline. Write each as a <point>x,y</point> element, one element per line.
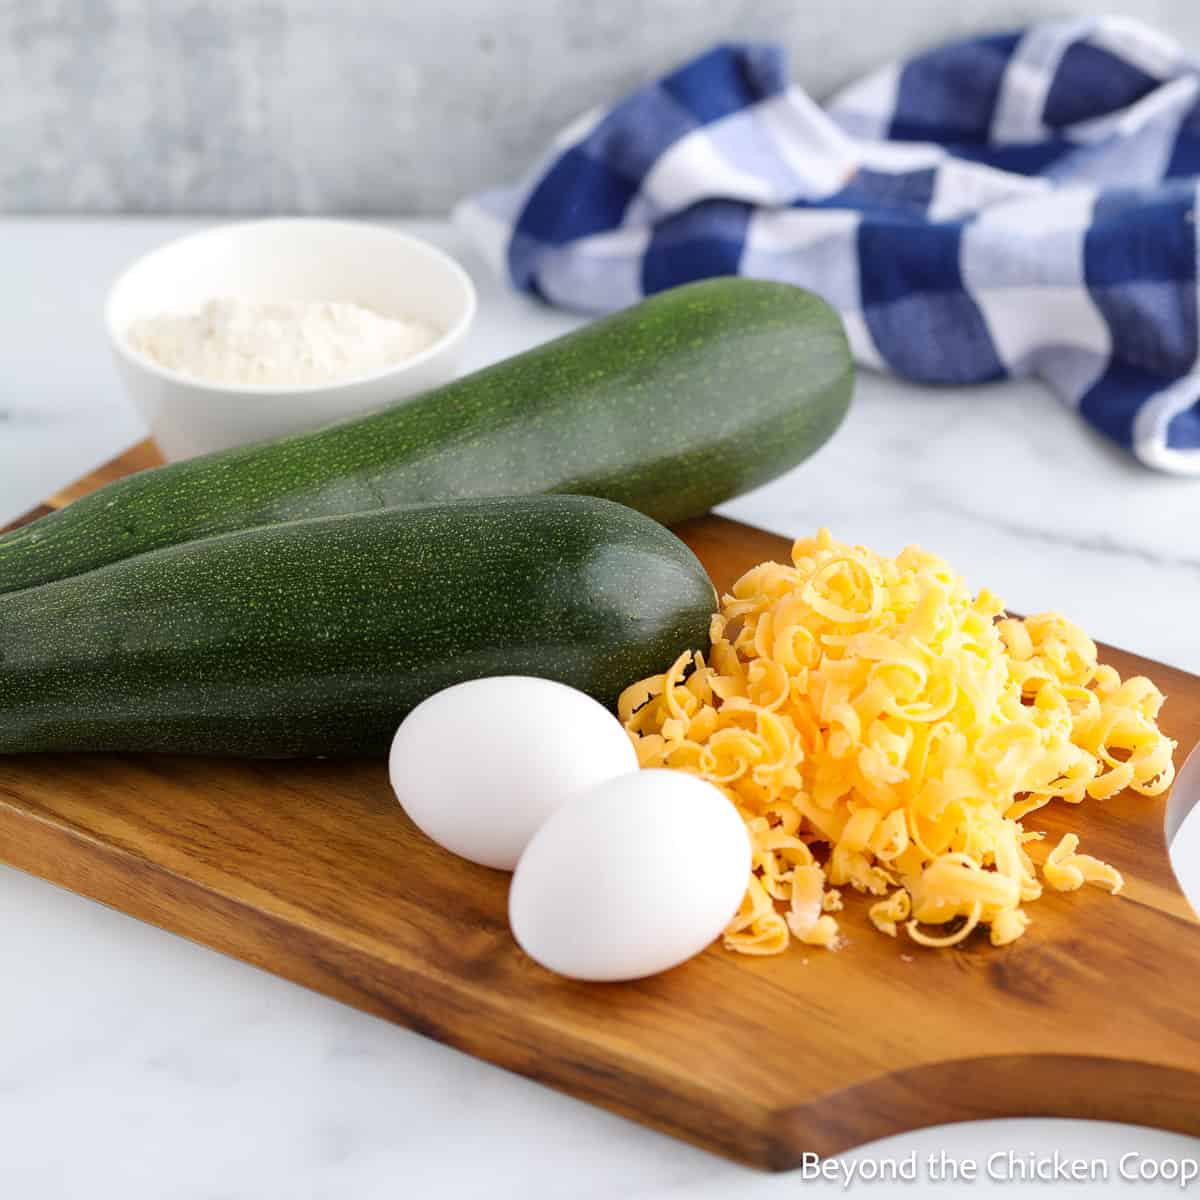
<point>672,406</point>
<point>315,637</point>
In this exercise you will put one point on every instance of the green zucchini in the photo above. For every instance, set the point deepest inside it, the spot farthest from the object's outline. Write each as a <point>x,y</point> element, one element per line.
<point>671,406</point>
<point>316,637</point>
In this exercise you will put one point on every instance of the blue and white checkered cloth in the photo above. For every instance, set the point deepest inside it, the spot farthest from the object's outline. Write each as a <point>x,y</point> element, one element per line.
<point>1022,204</point>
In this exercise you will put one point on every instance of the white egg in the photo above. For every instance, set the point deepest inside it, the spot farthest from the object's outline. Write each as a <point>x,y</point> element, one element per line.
<point>631,877</point>
<point>480,766</point>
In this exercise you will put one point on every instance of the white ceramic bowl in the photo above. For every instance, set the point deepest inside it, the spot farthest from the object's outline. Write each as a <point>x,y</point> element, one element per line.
<point>293,260</point>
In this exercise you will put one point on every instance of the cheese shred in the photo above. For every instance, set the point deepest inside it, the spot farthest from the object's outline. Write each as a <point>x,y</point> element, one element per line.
<point>873,710</point>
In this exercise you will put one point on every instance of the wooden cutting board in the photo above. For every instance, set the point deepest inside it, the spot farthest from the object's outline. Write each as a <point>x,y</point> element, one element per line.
<point>310,870</point>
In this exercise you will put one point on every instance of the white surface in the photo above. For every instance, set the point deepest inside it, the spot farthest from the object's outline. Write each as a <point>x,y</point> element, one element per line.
<point>285,261</point>
<point>134,1064</point>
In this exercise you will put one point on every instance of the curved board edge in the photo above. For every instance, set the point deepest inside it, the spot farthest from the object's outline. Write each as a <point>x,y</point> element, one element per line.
<point>1097,1088</point>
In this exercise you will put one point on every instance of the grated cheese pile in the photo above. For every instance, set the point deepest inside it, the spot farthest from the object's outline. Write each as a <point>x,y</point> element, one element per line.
<point>873,706</point>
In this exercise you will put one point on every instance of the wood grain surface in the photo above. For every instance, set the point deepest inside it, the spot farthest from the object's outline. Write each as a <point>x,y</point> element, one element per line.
<point>311,871</point>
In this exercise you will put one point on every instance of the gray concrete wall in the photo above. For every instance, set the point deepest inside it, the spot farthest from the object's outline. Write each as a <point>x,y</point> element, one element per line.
<point>384,106</point>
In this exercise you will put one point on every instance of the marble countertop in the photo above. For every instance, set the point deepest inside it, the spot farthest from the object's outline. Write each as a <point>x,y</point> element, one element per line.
<point>135,1064</point>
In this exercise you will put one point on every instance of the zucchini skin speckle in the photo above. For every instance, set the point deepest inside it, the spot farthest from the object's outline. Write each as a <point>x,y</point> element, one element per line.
<point>672,406</point>
<point>316,637</point>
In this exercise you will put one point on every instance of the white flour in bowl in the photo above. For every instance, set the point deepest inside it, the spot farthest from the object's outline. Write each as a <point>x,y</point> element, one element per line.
<point>242,342</point>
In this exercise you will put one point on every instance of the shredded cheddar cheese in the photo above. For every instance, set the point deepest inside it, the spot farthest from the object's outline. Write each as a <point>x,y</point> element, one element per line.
<point>872,709</point>
<point>1065,870</point>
